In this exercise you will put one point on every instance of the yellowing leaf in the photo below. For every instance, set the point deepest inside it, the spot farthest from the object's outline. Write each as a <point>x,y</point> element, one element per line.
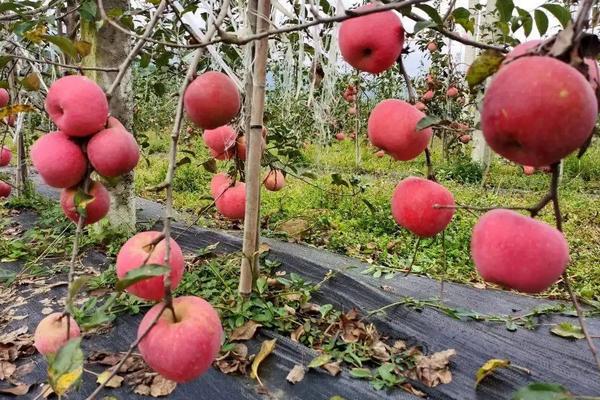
<point>36,34</point>
<point>484,66</point>
<point>320,361</point>
<point>114,381</point>
<point>266,348</point>
<point>14,109</point>
<point>31,82</point>
<point>245,332</point>
<point>489,367</point>
<point>65,381</point>
<point>83,48</point>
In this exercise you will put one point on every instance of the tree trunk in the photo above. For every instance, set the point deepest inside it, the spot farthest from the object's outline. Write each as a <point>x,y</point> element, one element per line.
<point>109,48</point>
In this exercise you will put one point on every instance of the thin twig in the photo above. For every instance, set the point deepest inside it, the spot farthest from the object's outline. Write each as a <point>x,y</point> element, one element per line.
<point>69,66</point>
<point>412,94</point>
<point>449,12</point>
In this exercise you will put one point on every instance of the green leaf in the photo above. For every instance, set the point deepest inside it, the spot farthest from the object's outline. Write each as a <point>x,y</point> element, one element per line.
<point>66,367</point>
<point>420,25</point>
<point>568,330</point>
<point>88,10</point>
<point>320,361</point>
<point>431,12</point>
<point>210,165</point>
<point>505,9</point>
<point>361,373</point>
<point>183,161</point>
<point>386,371</point>
<point>159,88</point>
<point>145,60</point>
<point>4,60</point>
<point>63,43</point>
<point>139,274</point>
<point>462,16</point>
<point>427,121</point>
<point>541,21</point>
<point>7,275</point>
<point>81,201</point>
<point>561,13</point>
<point>77,285</point>
<point>484,66</point>
<point>336,179</point>
<point>526,21</point>
<point>542,391</point>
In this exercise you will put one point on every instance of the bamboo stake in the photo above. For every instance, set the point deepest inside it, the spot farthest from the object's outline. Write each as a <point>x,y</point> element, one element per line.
<point>250,267</point>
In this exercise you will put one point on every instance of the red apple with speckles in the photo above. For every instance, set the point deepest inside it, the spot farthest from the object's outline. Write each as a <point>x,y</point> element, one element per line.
<point>113,151</point>
<point>4,97</point>
<point>51,333</point>
<point>340,136</point>
<point>232,202</point>
<point>221,141</point>
<point>133,254</point>
<point>212,100</point>
<point>241,146</point>
<point>181,350</point>
<point>518,252</point>
<point>428,96</point>
<point>5,189</point>
<point>432,47</point>
<point>413,208</point>
<point>372,43</point>
<point>96,208</point>
<point>392,127</point>
<point>274,181</point>
<point>452,92</point>
<point>59,160</point>
<point>465,138</point>
<point>537,110</point>
<point>77,105</point>
<point>219,183</point>
<point>5,156</point>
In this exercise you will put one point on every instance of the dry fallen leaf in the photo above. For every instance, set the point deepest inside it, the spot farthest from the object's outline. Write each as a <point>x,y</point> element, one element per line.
<point>297,333</point>
<point>433,370</point>
<point>6,369</point>
<point>263,248</point>
<point>296,374</point>
<point>245,332</point>
<point>114,381</point>
<point>333,368</point>
<point>47,310</point>
<point>266,348</point>
<point>235,360</point>
<point>18,390</point>
<point>162,386</point>
<point>296,228</point>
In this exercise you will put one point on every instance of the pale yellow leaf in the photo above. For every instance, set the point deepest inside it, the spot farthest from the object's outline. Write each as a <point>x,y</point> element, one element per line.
<point>114,381</point>
<point>65,381</point>
<point>266,348</point>
<point>489,367</point>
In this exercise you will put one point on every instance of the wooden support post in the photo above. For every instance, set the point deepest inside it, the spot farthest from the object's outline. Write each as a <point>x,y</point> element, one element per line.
<point>250,267</point>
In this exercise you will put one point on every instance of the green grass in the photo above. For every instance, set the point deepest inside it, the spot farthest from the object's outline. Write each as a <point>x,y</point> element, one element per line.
<point>356,221</point>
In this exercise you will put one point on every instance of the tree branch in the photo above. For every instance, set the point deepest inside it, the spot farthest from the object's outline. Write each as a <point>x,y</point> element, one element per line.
<point>69,66</point>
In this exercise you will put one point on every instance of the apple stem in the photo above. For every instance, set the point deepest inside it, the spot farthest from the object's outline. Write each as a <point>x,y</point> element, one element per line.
<point>414,256</point>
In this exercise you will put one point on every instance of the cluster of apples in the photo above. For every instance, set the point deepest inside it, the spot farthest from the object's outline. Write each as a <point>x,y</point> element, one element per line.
<point>87,139</point>
<point>536,111</point>
<point>5,154</point>
<point>349,95</point>
<point>211,102</point>
<point>461,132</point>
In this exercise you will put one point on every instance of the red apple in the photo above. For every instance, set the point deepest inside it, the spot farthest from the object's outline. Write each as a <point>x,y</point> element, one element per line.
<point>464,139</point>
<point>241,145</point>
<point>420,106</point>
<point>5,156</point>
<point>518,252</point>
<point>372,43</point>
<point>221,141</point>
<point>51,333</point>
<point>428,96</point>
<point>182,349</point>
<point>274,181</point>
<point>140,248</point>
<point>413,208</point>
<point>5,189</point>
<point>96,208</point>
<point>432,47</point>
<point>4,97</point>
<point>340,136</point>
<point>219,183</point>
<point>537,110</point>
<point>59,160</point>
<point>528,170</point>
<point>113,152</point>
<point>232,202</point>
<point>452,92</point>
<point>77,105</point>
<point>392,127</point>
<point>212,100</point>
<point>380,154</point>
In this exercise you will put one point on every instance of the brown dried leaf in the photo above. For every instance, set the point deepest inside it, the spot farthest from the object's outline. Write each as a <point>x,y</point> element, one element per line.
<point>245,332</point>
<point>25,369</point>
<point>297,333</point>
<point>380,351</point>
<point>333,368</point>
<point>434,369</point>
<point>114,382</point>
<point>162,386</point>
<point>7,369</point>
<point>295,228</point>
<point>143,390</point>
<point>296,374</point>
<point>18,390</point>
